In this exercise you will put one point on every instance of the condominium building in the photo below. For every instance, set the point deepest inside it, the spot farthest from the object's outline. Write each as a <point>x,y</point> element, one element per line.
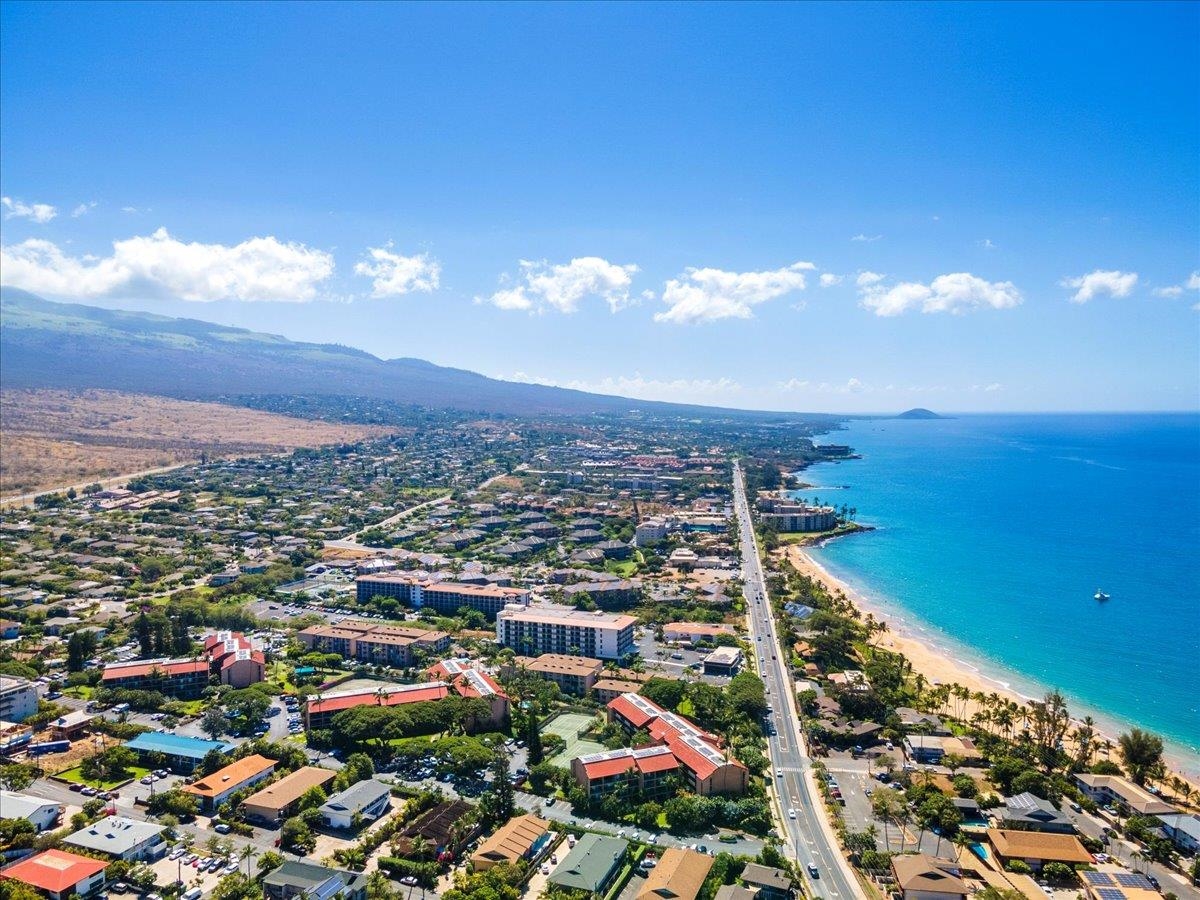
<point>789,516</point>
<point>708,769</point>
<point>18,699</point>
<point>544,629</point>
<point>646,769</point>
<point>574,675</point>
<point>443,596</point>
<point>649,531</point>
<point>234,659</point>
<point>367,642</point>
<point>320,709</point>
<point>468,681</point>
<point>183,679</point>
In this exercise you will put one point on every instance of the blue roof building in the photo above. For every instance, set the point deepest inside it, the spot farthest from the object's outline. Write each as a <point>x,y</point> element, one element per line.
<point>182,753</point>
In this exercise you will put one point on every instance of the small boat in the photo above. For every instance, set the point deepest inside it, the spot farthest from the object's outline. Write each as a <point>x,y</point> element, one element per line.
<point>1101,597</point>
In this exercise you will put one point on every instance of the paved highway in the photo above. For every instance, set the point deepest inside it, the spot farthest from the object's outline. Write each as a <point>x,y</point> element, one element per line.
<point>808,831</point>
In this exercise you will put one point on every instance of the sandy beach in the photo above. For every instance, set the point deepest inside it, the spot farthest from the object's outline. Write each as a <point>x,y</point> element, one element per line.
<point>936,664</point>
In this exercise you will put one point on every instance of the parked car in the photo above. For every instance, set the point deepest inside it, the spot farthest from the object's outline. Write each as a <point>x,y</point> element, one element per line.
<point>221,828</point>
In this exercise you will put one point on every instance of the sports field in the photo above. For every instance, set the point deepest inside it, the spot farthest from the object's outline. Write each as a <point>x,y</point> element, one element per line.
<point>567,726</point>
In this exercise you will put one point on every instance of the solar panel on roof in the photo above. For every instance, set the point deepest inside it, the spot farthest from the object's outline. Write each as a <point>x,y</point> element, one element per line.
<point>1133,880</point>
<point>1097,878</point>
<point>1110,893</point>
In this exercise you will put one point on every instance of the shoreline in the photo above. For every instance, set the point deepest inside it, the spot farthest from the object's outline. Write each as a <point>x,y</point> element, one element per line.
<point>940,664</point>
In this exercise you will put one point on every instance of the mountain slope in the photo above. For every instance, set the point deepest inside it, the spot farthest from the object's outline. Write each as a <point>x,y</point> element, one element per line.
<point>72,346</point>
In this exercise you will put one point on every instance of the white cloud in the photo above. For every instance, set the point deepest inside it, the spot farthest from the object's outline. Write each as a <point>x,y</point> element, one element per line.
<point>35,212</point>
<point>954,293</point>
<point>1102,281</point>
<point>988,388</point>
<point>697,390</point>
<point>83,209</point>
<point>851,386</point>
<point>866,279</point>
<point>564,286</point>
<point>706,295</point>
<point>867,238</point>
<point>986,244</point>
<point>828,279</point>
<point>260,268</point>
<point>1176,290</point>
<point>394,274</point>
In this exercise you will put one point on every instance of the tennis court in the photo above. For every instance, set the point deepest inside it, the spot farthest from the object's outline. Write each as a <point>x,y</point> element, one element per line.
<point>567,726</point>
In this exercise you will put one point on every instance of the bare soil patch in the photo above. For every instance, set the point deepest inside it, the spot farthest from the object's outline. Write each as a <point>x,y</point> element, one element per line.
<point>53,439</point>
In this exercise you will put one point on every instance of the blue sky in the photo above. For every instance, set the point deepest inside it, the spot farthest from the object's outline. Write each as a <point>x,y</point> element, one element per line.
<point>810,207</point>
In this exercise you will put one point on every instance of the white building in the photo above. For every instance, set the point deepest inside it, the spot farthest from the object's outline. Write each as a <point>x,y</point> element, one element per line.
<point>532,630</point>
<point>42,813</point>
<point>119,837</point>
<point>368,800</point>
<point>18,699</point>
<point>650,531</point>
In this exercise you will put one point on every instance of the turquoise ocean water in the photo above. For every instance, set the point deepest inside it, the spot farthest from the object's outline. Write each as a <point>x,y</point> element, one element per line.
<point>994,533</point>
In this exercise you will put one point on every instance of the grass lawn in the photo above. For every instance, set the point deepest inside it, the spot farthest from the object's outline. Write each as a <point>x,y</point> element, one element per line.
<point>192,707</point>
<point>79,692</point>
<point>567,726</point>
<point>624,568</point>
<point>76,775</point>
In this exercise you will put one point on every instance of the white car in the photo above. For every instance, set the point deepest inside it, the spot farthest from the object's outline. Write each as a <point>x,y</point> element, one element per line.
<point>791,814</point>
<point>779,773</point>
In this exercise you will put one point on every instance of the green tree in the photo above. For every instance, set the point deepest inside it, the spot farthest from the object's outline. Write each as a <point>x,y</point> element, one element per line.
<point>213,722</point>
<point>81,646</point>
<point>16,776</point>
<point>1141,752</point>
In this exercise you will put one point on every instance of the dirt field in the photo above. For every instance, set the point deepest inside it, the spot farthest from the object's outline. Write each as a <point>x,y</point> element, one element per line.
<point>56,439</point>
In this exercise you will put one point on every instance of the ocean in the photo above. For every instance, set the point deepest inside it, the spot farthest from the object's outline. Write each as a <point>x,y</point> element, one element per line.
<point>994,532</point>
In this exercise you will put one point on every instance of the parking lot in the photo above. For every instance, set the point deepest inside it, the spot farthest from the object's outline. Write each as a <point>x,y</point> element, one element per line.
<point>673,661</point>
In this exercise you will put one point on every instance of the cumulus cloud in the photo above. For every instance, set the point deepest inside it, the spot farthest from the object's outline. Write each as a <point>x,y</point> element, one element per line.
<point>394,274</point>
<point>563,287</point>
<point>35,212</point>
<point>706,295</point>
<point>1176,290</point>
<point>699,390</point>
<point>828,279</point>
<point>867,238</point>
<point>954,293</point>
<point>1102,281</point>
<point>83,209</point>
<point>260,268</point>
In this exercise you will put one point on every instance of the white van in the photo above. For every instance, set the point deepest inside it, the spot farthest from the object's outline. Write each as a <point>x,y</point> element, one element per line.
<point>193,894</point>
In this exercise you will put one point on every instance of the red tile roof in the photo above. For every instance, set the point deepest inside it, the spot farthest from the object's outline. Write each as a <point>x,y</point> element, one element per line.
<point>400,694</point>
<point>54,870</point>
<point>176,667</point>
<point>616,765</point>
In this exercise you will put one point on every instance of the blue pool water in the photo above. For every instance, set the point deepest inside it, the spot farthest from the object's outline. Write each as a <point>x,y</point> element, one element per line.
<point>994,533</point>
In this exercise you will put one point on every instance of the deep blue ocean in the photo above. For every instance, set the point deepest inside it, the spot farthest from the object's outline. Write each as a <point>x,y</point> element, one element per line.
<point>995,532</point>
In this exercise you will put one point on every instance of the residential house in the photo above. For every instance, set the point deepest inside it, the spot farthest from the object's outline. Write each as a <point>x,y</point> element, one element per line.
<point>592,864</point>
<point>1028,812</point>
<point>44,814</point>
<point>364,801</point>
<point>769,883</point>
<point>277,801</point>
<point>58,874</point>
<point>679,875</point>
<point>1036,848</point>
<point>519,838</point>
<point>213,790</point>
<point>121,838</point>
<point>307,881</point>
<point>923,877</point>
